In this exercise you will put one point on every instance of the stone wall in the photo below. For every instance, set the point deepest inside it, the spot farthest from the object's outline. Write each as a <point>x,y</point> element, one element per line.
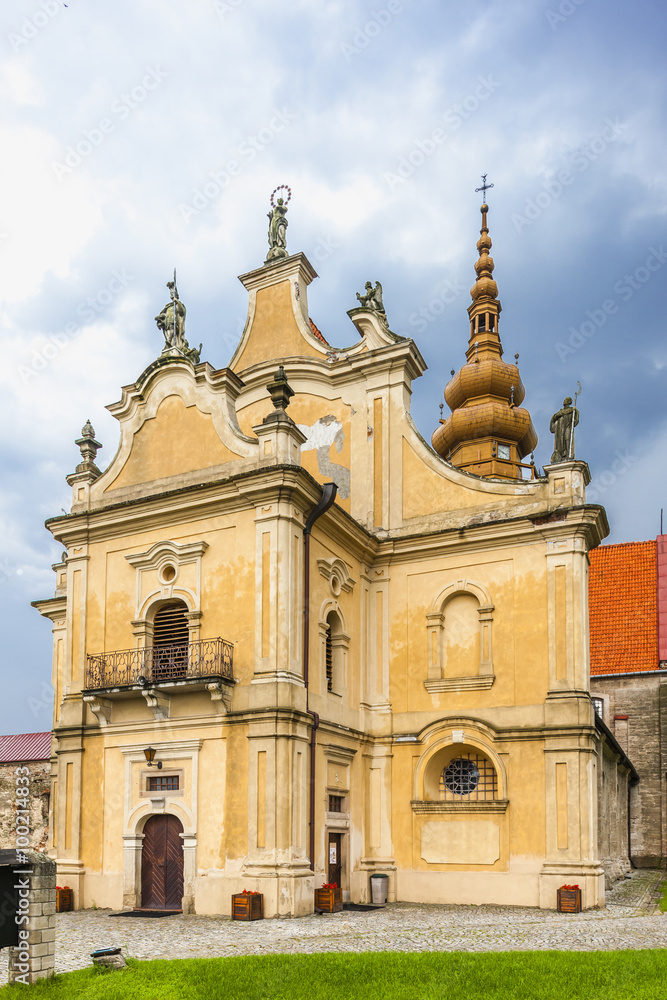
<point>643,736</point>
<point>613,783</point>
<point>40,790</point>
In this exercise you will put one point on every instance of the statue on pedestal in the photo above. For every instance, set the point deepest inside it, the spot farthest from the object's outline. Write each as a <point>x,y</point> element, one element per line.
<point>171,321</point>
<point>278,225</point>
<point>562,427</point>
<point>372,299</point>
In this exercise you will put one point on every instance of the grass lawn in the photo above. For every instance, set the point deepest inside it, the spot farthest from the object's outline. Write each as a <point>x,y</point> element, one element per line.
<point>545,975</point>
<point>663,901</point>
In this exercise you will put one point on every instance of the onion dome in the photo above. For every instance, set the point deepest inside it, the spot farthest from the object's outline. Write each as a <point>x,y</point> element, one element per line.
<point>488,432</point>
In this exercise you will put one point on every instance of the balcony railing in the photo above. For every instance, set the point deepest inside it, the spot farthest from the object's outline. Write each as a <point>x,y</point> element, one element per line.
<point>126,668</point>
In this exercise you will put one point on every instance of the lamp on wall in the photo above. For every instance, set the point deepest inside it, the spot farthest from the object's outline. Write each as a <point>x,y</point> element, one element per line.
<point>149,753</point>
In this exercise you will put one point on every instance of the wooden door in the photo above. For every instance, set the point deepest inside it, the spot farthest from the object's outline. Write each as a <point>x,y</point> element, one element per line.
<point>334,861</point>
<point>162,864</point>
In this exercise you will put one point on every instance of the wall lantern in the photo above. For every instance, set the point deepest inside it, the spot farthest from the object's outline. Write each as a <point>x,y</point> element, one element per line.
<point>149,753</point>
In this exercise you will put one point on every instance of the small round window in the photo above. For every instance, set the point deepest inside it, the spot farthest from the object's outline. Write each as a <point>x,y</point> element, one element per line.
<point>168,573</point>
<point>471,775</point>
<point>461,776</point>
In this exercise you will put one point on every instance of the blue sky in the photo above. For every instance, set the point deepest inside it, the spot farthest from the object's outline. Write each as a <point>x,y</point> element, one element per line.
<point>139,136</point>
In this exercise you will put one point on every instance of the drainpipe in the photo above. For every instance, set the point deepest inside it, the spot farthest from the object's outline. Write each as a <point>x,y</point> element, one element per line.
<point>329,491</point>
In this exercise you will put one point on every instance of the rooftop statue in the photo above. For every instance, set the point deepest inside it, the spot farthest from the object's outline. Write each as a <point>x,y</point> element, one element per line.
<point>278,225</point>
<point>562,427</point>
<point>171,321</point>
<point>373,299</point>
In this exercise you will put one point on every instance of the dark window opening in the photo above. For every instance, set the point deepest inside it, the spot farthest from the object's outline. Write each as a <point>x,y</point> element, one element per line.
<point>328,658</point>
<point>170,641</point>
<point>335,803</point>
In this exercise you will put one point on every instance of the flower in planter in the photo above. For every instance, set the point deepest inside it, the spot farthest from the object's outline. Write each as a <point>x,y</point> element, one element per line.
<point>250,892</point>
<point>571,887</point>
<point>329,885</point>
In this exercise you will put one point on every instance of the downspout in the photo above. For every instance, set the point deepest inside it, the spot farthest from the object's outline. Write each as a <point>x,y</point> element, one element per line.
<point>329,491</point>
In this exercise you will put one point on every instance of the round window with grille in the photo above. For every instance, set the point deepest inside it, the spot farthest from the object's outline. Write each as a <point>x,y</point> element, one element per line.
<point>471,775</point>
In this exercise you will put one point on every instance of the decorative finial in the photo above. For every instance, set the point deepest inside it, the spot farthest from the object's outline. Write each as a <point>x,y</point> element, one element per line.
<point>442,406</point>
<point>280,390</point>
<point>516,359</point>
<point>278,224</point>
<point>511,395</point>
<point>372,299</point>
<point>89,448</point>
<point>453,372</point>
<point>484,188</point>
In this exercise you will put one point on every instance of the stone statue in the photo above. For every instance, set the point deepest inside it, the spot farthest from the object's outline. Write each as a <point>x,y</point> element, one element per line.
<point>277,230</point>
<point>373,299</point>
<point>172,319</point>
<point>562,427</point>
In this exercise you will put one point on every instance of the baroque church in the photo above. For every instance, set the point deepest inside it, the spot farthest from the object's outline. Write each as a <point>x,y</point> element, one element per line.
<point>295,644</point>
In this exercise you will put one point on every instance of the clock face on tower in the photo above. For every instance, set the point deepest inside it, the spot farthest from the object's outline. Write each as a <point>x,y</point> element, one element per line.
<point>504,451</point>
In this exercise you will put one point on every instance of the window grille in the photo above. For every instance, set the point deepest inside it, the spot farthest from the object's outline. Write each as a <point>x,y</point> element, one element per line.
<point>471,776</point>
<point>163,783</point>
<point>335,803</point>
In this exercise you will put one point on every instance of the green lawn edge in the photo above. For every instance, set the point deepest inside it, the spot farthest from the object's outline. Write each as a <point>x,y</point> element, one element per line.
<point>542,975</point>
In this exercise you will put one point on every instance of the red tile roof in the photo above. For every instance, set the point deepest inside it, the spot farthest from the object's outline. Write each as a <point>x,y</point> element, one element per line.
<point>622,595</point>
<point>318,334</point>
<point>24,747</point>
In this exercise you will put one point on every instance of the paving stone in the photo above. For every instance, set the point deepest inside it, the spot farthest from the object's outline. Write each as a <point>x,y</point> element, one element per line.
<point>631,919</point>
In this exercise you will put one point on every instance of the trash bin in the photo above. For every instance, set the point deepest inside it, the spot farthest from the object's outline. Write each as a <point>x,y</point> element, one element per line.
<point>379,886</point>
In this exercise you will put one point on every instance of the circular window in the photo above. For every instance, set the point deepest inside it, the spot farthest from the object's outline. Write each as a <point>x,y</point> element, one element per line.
<point>168,574</point>
<point>335,585</point>
<point>461,776</point>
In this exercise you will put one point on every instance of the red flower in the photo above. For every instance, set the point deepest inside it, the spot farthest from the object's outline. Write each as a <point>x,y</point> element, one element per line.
<point>330,885</point>
<point>250,892</point>
<point>569,887</point>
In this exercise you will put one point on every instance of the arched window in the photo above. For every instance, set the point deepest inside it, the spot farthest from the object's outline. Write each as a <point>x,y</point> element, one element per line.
<point>170,641</point>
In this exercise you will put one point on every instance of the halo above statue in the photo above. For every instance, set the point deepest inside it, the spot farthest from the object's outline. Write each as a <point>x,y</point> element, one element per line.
<point>281,187</point>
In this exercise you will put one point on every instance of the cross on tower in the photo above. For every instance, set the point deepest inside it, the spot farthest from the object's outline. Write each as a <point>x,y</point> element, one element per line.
<point>485,187</point>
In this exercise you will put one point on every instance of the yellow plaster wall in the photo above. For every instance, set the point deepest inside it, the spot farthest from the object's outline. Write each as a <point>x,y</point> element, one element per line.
<point>274,329</point>
<point>176,440</point>
<point>425,492</point>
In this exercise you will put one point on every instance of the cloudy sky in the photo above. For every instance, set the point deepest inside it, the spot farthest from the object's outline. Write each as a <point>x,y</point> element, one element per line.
<point>147,134</point>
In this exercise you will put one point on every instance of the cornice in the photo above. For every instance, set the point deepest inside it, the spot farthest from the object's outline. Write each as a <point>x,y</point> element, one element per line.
<point>588,521</point>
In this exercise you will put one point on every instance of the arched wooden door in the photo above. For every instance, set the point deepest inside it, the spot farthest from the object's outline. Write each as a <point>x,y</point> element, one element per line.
<point>162,864</point>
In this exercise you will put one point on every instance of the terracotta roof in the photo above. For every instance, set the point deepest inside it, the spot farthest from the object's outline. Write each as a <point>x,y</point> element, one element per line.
<point>318,334</point>
<point>25,746</point>
<point>623,612</point>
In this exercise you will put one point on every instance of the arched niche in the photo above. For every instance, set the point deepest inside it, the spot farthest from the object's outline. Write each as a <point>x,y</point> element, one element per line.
<point>480,674</point>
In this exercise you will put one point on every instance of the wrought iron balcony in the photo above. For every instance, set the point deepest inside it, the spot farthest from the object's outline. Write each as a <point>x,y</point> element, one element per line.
<point>208,659</point>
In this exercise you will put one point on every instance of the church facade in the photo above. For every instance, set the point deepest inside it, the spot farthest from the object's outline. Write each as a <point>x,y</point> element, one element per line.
<point>345,652</point>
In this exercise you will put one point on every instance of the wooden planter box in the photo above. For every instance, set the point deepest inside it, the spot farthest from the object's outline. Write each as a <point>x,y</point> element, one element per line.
<point>247,906</point>
<point>569,900</point>
<point>329,900</point>
<point>64,900</point>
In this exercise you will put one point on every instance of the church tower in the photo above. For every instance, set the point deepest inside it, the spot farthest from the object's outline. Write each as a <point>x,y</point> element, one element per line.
<point>488,433</point>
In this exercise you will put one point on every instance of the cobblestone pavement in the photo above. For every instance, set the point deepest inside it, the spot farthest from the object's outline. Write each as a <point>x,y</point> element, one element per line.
<point>631,920</point>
